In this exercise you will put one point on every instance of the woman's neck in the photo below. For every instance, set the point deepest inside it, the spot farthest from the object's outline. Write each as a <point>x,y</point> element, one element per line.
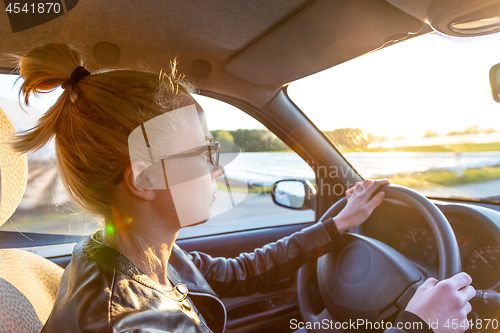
<point>148,248</point>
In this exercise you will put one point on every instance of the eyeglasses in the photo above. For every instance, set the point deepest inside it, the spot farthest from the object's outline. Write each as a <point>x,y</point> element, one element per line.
<point>213,153</point>
<point>213,157</point>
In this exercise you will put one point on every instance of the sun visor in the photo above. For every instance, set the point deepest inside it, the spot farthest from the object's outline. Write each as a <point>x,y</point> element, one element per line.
<point>322,35</point>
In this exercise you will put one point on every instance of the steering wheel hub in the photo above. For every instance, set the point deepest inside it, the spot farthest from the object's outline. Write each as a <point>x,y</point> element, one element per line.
<point>354,264</point>
<point>364,279</point>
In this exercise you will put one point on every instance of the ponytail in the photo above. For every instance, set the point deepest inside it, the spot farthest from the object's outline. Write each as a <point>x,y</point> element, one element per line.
<point>93,117</point>
<point>43,69</point>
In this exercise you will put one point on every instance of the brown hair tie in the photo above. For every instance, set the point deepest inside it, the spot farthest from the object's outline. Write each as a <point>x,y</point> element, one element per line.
<point>79,73</point>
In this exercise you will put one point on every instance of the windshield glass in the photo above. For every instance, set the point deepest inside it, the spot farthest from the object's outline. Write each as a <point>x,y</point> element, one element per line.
<point>419,113</point>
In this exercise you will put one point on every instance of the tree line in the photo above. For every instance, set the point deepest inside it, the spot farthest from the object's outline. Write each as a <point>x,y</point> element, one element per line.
<point>347,139</point>
<point>257,140</point>
<point>354,139</point>
<point>251,140</point>
<point>431,133</point>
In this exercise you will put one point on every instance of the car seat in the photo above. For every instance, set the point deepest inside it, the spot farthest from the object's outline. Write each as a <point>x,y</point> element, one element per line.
<point>28,282</point>
<point>28,289</point>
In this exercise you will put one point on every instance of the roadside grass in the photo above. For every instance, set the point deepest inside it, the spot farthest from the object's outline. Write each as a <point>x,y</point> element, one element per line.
<point>270,151</point>
<point>420,180</point>
<point>433,178</point>
<point>260,190</point>
<point>464,147</point>
<point>252,189</point>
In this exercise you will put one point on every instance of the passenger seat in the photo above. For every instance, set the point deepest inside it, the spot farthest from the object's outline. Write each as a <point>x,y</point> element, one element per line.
<point>28,289</point>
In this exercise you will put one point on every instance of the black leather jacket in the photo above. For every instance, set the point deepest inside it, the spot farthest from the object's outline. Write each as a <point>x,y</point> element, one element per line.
<point>102,291</point>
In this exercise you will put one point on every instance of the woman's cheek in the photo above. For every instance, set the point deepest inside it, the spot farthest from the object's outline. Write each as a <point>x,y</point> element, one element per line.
<point>192,200</point>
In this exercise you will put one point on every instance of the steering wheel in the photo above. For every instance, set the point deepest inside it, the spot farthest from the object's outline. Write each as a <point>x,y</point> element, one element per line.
<point>367,278</point>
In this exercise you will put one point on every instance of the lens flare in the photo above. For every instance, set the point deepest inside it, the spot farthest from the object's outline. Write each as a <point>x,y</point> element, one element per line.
<point>110,229</point>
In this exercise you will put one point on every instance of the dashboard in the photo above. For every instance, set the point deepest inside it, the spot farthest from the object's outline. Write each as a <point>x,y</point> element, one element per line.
<point>476,227</point>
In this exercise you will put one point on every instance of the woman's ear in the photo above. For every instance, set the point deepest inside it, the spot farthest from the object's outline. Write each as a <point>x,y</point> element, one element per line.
<point>144,192</point>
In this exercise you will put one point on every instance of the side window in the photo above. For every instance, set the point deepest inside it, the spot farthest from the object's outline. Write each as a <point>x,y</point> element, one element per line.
<point>266,160</point>
<point>47,209</point>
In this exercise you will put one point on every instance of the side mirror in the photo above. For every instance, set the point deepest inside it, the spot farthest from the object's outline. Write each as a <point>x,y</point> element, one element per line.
<point>495,82</point>
<point>294,194</point>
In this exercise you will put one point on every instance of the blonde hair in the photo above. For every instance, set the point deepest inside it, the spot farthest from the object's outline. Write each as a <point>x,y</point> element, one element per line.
<point>91,120</point>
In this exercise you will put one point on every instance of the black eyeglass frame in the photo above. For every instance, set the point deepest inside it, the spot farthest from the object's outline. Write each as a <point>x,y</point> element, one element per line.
<point>215,146</point>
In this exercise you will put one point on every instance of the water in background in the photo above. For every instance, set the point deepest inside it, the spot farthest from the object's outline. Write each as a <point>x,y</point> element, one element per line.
<point>263,169</point>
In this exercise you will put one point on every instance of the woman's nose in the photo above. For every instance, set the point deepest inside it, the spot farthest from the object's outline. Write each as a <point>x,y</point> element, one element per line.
<point>217,172</point>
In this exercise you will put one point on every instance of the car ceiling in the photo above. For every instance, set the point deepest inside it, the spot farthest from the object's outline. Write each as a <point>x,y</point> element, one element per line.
<point>243,49</point>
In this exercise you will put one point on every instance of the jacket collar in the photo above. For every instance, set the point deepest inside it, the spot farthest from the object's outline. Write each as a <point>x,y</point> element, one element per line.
<point>181,270</point>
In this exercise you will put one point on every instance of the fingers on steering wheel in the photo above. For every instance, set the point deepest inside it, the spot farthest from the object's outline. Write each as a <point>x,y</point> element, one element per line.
<point>467,293</point>
<point>376,200</point>
<point>367,188</point>
<point>364,186</point>
<point>468,307</point>
<point>375,185</point>
<point>429,283</point>
<point>459,280</point>
<point>360,187</point>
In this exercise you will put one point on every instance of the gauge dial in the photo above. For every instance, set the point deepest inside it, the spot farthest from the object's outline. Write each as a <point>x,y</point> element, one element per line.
<point>482,264</point>
<point>419,244</point>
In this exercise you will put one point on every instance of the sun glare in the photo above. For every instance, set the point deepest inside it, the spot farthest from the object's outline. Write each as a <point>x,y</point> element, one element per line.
<point>426,83</point>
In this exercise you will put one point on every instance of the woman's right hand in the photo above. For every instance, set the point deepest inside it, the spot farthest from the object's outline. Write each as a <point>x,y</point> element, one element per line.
<point>444,303</point>
<point>360,204</point>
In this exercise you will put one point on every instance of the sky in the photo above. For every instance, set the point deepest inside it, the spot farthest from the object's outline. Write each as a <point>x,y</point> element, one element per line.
<point>429,82</point>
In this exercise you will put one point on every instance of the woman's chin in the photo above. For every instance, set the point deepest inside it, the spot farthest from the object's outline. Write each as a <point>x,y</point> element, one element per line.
<point>195,224</point>
<point>197,219</point>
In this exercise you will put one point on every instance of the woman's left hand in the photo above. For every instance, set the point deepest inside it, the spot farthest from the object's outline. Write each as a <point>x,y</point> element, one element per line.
<point>359,205</point>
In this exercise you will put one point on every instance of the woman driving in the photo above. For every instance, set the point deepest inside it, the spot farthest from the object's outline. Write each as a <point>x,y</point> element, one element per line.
<point>134,147</point>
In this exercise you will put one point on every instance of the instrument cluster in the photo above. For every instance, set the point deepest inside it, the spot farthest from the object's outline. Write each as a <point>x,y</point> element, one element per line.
<point>479,252</point>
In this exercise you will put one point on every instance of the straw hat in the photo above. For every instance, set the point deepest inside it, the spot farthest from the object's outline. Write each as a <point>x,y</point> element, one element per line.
<point>13,171</point>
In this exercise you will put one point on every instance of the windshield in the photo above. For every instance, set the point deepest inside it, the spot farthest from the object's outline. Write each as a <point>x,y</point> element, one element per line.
<point>419,113</point>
